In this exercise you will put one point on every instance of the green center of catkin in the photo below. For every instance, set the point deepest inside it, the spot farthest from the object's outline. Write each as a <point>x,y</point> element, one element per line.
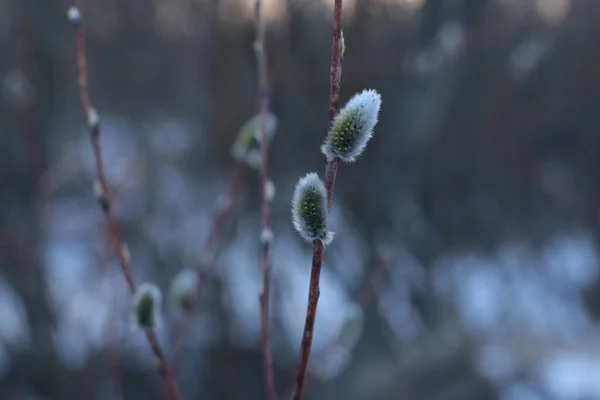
<point>311,210</point>
<point>145,314</point>
<point>345,133</point>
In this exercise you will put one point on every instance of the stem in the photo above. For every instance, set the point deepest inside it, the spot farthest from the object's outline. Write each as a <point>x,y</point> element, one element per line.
<point>364,300</point>
<point>335,75</point>
<point>108,209</point>
<point>263,101</point>
<point>210,246</point>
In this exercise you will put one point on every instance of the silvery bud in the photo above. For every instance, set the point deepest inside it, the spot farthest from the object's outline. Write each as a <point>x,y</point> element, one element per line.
<point>309,209</point>
<point>352,127</point>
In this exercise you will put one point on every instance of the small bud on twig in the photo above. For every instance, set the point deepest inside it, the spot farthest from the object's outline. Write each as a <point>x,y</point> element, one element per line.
<point>125,252</point>
<point>342,45</point>
<point>183,289</point>
<point>74,16</point>
<point>101,196</point>
<point>352,127</point>
<point>93,120</point>
<point>146,306</point>
<point>309,209</point>
<point>269,189</point>
<point>266,236</point>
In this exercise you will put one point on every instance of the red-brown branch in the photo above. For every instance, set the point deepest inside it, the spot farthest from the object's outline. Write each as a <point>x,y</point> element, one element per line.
<point>210,247</point>
<point>335,74</point>
<point>108,210</point>
<point>364,300</point>
<point>263,105</point>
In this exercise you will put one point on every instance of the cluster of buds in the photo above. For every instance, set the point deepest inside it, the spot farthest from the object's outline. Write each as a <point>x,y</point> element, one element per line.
<point>350,131</point>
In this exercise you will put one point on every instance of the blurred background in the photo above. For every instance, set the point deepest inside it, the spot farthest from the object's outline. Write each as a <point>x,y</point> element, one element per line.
<point>465,264</point>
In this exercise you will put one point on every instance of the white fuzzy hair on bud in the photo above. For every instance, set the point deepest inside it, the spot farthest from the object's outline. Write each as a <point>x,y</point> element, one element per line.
<point>352,127</point>
<point>266,236</point>
<point>269,190</point>
<point>93,119</point>
<point>74,15</point>
<point>309,209</point>
<point>98,190</point>
<point>147,303</point>
<point>183,288</point>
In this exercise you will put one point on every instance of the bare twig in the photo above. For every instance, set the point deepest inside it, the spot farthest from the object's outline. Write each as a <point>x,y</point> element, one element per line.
<point>364,299</point>
<point>331,168</point>
<point>208,256</point>
<point>266,197</point>
<point>94,126</point>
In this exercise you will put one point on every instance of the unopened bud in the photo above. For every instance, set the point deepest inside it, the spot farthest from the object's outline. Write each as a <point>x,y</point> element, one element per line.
<point>74,16</point>
<point>269,190</point>
<point>100,195</point>
<point>342,45</point>
<point>266,236</point>
<point>147,303</point>
<point>247,144</point>
<point>93,120</point>
<point>183,289</point>
<point>352,127</point>
<point>125,253</point>
<point>309,209</point>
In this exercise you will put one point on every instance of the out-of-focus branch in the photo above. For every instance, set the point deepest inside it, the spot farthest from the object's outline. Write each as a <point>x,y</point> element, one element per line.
<point>266,194</point>
<point>104,192</point>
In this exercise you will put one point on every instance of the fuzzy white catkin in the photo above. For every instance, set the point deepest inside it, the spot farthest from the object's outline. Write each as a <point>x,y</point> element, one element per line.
<point>74,15</point>
<point>352,127</point>
<point>147,303</point>
<point>183,287</point>
<point>309,209</point>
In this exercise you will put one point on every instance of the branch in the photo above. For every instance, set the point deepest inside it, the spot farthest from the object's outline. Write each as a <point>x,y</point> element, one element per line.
<point>105,199</point>
<point>266,197</point>
<point>364,299</point>
<point>335,74</point>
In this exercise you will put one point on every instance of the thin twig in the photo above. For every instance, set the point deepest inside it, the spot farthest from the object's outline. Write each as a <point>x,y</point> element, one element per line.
<point>266,235</point>
<point>335,74</point>
<point>208,256</point>
<point>364,299</point>
<point>89,112</point>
